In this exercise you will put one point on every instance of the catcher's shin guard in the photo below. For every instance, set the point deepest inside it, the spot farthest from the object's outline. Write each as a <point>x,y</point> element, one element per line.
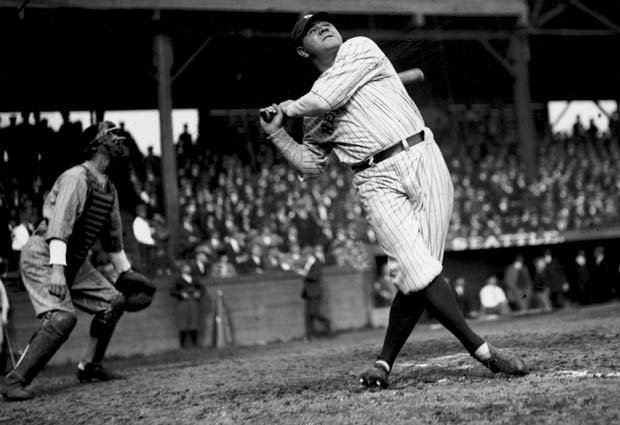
<point>103,325</point>
<point>54,331</point>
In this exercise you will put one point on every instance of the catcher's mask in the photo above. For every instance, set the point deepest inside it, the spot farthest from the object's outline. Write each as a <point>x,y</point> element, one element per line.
<point>105,135</point>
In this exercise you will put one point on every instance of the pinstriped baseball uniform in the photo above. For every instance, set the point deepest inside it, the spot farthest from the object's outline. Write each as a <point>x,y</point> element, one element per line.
<point>407,197</point>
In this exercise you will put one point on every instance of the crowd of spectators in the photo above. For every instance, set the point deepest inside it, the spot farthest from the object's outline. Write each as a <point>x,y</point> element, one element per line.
<point>244,210</point>
<point>576,186</point>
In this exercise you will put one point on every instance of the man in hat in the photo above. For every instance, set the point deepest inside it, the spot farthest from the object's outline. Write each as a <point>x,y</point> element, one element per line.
<point>81,207</point>
<point>359,109</point>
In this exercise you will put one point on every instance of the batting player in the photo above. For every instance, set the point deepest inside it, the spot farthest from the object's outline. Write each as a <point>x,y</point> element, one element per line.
<point>81,207</point>
<point>359,109</point>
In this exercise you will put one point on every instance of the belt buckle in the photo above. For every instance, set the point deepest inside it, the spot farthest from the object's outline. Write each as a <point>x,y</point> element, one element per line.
<point>371,161</point>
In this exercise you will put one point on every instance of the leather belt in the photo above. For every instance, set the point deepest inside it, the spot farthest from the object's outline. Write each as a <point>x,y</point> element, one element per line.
<point>386,153</point>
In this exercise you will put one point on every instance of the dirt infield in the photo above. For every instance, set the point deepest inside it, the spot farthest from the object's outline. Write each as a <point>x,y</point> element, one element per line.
<point>574,354</point>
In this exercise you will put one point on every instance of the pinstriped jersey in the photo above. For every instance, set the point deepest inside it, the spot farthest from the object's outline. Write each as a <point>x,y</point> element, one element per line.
<point>370,108</point>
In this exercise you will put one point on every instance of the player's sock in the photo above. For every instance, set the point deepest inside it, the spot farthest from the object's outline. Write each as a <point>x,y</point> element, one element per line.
<point>404,314</point>
<point>483,352</point>
<point>441,303</point>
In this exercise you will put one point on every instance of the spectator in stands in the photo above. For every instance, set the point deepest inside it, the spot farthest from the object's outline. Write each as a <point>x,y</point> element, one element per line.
<point>614,125</point>
<point>254,263</point>
<point>69,138</point>
<point>518,284</point>
<point>461,293</point>
<point>152,162</point>
<point>603,278</point>
<point>201,262</point>
<point>555,280</point>
<point>45,137</point>
<point>234,245</point>
<point>493,299</point>
<point>188,292</point>
<point>268,239</point>
<point>579,279</point>
<point>222,268</point>
<point>383,288</point>
<point>293,258</point>
<point>186,148</point>
<point>272,259</point>
<point>312,294</point>
<point>163,263</point>
<point>19,236</point>
<point>592,130</point>
<point>24,152</point>
<point>308,230</point>
<point>540,295</point>
<point>143,233</point>
<point>190,235</point>
<point>578,128</point>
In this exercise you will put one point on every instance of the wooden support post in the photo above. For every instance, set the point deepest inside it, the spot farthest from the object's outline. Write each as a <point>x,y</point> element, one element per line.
<point>519,53</point>
<point>163,61</point>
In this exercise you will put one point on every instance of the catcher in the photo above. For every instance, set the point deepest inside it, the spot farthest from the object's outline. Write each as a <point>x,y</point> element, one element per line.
<point>81,207</point>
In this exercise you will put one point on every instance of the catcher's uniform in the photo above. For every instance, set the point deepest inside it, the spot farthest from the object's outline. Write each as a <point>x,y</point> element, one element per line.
<point>89,290</point>
<point>401,176</point>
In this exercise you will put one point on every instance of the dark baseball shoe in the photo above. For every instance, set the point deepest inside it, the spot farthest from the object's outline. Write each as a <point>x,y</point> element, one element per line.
<point>377,377</point>
<point>16,391</point>
<point>96,372</point>
<point>505,362</point>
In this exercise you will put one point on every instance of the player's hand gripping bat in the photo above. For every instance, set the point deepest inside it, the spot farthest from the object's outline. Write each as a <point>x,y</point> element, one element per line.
<point>412,75</point>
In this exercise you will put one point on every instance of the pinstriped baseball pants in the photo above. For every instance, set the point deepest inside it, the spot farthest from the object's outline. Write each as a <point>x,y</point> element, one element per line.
<point>408,199</point>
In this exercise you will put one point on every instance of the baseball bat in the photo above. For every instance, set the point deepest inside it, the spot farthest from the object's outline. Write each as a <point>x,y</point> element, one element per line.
<point>266,114</point>
<point>413,75</point>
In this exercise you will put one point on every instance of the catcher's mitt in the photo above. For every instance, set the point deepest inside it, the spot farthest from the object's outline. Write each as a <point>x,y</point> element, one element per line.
<point>137,289</point>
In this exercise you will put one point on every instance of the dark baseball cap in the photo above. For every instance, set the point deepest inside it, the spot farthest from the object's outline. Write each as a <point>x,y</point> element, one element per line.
<point>303,24</point>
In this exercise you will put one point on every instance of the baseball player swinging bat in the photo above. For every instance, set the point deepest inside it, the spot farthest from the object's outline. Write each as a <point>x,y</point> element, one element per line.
<point>412,75</point>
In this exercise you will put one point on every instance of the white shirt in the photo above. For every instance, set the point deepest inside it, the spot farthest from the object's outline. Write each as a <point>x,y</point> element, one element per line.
<point>4,306</point>
<point>142,231</point>
<point>19,236</point>
<point>491,296</point>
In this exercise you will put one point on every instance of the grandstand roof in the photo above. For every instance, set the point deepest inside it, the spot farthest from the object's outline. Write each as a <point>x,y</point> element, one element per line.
<point>407,7</point>
<point>98,53</point>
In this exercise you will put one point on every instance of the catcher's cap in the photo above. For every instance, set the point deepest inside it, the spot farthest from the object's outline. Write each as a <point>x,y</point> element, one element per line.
<point>303,24</point>
<point>107,135</point>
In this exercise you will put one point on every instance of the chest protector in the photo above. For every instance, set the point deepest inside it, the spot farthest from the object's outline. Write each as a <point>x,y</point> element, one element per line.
<point>88,226</point>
